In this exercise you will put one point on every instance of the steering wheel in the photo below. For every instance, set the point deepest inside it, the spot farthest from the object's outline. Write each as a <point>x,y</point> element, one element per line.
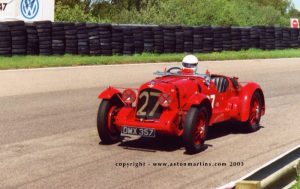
<point>172,69</point>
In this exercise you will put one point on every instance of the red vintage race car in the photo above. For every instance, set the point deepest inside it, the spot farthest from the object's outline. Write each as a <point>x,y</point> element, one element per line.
<point>180,104</point>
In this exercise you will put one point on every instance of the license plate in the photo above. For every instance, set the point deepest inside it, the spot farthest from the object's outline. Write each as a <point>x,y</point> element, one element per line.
<point>144,132</point>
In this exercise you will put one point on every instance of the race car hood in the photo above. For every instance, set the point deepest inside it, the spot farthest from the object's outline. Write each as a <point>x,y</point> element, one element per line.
<point>178,87</point>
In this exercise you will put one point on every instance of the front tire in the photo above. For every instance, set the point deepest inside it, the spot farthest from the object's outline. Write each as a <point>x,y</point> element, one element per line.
<point>195,129</point>
<point>107,131</point>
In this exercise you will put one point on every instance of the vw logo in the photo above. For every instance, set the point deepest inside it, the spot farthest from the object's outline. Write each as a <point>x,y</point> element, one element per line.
<point>29,8</point>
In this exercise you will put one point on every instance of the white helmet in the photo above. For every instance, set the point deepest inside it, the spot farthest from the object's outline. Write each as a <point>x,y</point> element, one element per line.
<point>190,62</point>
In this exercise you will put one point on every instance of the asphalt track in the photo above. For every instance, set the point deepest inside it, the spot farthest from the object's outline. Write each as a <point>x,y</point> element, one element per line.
<point>48,136</point>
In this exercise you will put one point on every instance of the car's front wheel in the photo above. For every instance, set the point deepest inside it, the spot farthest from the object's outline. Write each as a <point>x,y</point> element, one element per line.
<point>195,129</point>
<point>107,131</point>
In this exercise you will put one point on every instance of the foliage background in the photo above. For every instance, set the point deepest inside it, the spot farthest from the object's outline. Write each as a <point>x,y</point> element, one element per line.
<point>179,12</point>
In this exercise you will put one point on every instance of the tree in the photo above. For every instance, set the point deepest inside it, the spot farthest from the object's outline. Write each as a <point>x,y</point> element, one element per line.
<point>179,12</point>
<point>85,4</point>
<point>280,5</point>
<point>293,13</point>
<point>72,14</point>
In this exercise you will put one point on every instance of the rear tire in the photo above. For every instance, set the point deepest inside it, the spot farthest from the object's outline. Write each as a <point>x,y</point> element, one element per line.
<point>195,129</point>
<point>107,131</point>
<point>252,124</point>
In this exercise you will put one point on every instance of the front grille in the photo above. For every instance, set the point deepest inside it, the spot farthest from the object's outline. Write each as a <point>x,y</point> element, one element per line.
<point>148,106</point>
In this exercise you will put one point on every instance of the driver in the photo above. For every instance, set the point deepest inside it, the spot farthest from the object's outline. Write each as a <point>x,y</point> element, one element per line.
<point>189,63</point>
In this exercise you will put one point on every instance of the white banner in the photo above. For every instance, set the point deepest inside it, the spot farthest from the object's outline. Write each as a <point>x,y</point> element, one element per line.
<point>27,10</point>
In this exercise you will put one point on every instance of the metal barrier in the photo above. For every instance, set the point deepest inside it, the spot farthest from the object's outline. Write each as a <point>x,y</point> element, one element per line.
<point>278,173</point>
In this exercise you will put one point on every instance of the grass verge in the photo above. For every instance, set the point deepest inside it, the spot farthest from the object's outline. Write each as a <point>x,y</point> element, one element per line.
<point>17,62</point>
<point>297,185</point>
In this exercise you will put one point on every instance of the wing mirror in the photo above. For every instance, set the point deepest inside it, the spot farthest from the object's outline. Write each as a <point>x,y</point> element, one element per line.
<point>235,82</point>
<point>207,78</point>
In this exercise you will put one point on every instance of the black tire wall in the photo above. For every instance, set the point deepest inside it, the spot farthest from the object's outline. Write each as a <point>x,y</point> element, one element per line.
<point>58,38</point>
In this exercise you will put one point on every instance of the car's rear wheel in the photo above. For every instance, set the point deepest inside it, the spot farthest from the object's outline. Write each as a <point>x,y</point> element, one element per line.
<point>195,129</point>
<point>107,131</point>
<point>252,124</point>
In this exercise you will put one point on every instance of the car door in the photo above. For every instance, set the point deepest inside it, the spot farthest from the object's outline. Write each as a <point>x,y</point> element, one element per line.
<point>219,95</point>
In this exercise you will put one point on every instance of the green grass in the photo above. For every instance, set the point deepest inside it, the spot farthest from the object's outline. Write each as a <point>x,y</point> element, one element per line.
<point>297,185</point>
<point>17,62</point>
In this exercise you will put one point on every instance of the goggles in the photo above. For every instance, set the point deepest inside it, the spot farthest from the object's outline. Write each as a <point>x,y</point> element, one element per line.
<point>189,65</point>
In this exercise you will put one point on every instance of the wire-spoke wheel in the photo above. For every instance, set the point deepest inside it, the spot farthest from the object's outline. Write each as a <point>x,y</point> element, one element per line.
<point>255,111</point>
<point>195,129</point>
<point>105,123</point>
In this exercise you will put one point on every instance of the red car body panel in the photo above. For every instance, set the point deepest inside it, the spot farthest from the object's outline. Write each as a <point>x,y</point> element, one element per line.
<point>186,91</point>
<point>109,93</point>
<point>245,98</point>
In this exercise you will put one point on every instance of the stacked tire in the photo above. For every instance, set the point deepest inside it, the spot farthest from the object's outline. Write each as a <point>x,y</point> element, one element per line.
<point>18,37</point>
<point>148,39</point>
<point>218,39</point>
<point>188,33</point>
<point>262,37</point>
<point>169,39</point>
<point>278,38</point>
<point>245,38</point>
<point>117,40</point>
<point>294,38</point>
<point>138,39</point>
<point>83,39</point>
<point>208,39</point>
<point>71,42</point>
<point>58,38</point>
<point>105,39</point>
<point>270,38</point>
<point>179,39</point>
<point>5,40</point>
<point>286,37</point>
<point>226,37</point>
<point>254,37</point>
<point>128,45</point>
<point>94,39</point>
<point>44,30</point>
<point>299,39</point>
<point>158,39</point>
<point>46,38</point>
<point>236,39</point>
<point>32,39</point>
<point>198,39</point>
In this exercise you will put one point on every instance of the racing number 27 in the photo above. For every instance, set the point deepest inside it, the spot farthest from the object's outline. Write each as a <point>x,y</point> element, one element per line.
<point>147,95</point>
<point>3,6</point>
<point>212,97</point>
